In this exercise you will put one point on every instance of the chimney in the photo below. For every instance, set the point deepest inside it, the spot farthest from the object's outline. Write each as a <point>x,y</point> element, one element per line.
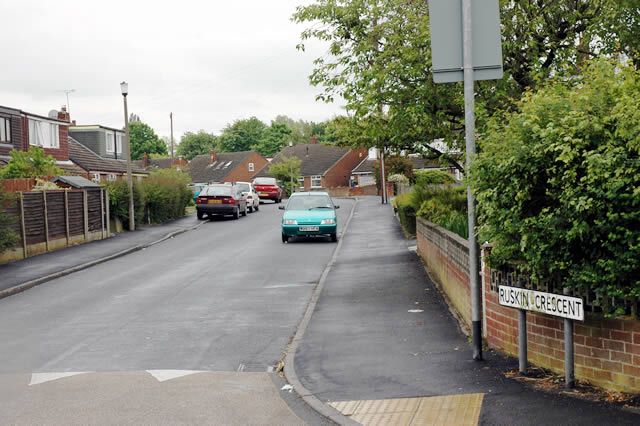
<point>314,140</point>
<point>63,115</point>
<point>145,160</point>
<point>213,158</point>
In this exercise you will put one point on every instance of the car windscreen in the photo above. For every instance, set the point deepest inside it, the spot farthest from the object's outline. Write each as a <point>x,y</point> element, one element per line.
<point>310,202</point>
<point>213,191</point>
<point>264,181</point>
<point>244,187</point>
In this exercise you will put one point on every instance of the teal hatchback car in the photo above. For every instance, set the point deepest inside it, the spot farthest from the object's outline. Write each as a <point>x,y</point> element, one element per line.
<point>309,213</point>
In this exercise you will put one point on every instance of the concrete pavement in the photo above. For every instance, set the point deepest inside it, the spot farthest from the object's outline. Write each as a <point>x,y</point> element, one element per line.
<point>381,331</point>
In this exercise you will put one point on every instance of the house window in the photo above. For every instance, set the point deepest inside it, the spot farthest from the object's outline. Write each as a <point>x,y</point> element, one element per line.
<point>95,177</point>
<point>316,181</point>
<point>44,134</point>
<point>5,129</point>
<point>251,167</point>
<point>111,142</point>
<point>301,182</point>
<point>111,177</point>
<point>119,139</point>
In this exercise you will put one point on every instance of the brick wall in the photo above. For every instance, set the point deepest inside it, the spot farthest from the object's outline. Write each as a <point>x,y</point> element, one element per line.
<point>242,174</point>
<point>340,173</point>
<point>607,351</point>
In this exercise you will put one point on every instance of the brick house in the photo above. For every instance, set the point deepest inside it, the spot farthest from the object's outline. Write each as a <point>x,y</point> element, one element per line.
<point>100,169</point>
<point>321,166</point>
<point>20,130</point>
<point>225,166</point>
<point>364,173</point>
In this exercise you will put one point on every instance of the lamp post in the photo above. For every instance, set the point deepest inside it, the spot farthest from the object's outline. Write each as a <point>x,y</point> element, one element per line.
<point>124,87</point>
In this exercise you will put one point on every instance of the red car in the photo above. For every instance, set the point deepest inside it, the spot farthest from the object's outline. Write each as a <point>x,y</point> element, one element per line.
<point>268,189</point>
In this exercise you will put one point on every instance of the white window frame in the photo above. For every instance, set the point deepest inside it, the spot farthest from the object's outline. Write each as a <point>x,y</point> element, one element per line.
<point>95,177</point>
<point>252,167</point>
<point>316,178</point>
<point>119,142</point>
<point>111,143</point>
<point>111,177</point>
<point>5,130</point>
<point>45,134</point>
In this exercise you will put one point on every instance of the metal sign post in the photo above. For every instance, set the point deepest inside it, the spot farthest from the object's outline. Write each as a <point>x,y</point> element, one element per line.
<point>467,49</point>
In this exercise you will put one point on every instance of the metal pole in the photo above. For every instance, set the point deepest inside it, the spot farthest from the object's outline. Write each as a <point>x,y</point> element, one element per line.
<point>569,375</point>
<point>22,226</point>
<point>46,219</point>
<point>383,178</point>
<point>171,117</point>
<point>470,124</point>
<point>522,341</point>
<point>132,220</point>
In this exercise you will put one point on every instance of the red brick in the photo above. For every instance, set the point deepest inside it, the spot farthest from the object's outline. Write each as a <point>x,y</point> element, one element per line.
<point>593,362</point>
<point>636,338</point>
<point>624,336</point>
<point>599,353</point>
<point>578,340</point>
<point>636,360</point>
<point>631,370</point>
<point>615,367</point>
<point>581,330</point>
<point>632,349</point>
<point>613,345</point>
<point>582,350</point>
<point>600,332</point>
<point>632,325</point>
<point>602,375</point>
<point>594,342</point>
<point>621,356</point>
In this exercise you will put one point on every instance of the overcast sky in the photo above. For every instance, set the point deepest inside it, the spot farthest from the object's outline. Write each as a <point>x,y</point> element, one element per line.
<point>210,62</point>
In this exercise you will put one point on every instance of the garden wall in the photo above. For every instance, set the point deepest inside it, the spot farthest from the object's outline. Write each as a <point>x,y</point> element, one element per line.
<point>607,351</point>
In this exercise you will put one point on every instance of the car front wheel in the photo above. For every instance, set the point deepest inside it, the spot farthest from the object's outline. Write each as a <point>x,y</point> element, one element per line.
<point>200,215</point>
<point>334,237</point>
<point>285,238</point>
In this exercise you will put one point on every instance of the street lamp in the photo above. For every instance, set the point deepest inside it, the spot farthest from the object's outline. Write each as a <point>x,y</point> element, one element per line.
<point>124,88</point>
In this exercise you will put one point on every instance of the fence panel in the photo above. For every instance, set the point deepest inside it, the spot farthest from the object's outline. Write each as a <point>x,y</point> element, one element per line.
<point>55,215</point>
<point>34,217</point>
<point>95,211</point>
<point>76,213</point>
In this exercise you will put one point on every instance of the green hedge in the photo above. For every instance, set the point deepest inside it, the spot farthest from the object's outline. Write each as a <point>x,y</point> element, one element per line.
<point>8,238</point>
<point>161,197</point>
<point>403,205</point>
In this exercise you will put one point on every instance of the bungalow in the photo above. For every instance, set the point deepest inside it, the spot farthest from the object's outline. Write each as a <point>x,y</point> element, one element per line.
<point>20,130</point>
<point>225,166</point>
<point>363,174</point>
<point>321,166</point>
<point>98,168</point>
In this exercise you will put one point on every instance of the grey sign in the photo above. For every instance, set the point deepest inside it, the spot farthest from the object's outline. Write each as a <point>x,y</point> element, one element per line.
<point>445,17</point>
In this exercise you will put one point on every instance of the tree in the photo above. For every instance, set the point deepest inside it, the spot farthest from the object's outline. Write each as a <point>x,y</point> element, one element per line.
<point>192,144</point>
<point>241,135</point>
<point>273,139</point>
<point>557,183</point>
<point>144,140</point>
<point>287,171</point>
<point>30,164</point>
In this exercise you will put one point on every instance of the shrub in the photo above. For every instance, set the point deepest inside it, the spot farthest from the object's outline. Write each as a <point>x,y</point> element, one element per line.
<point>30,164</point>
<point>119,201</point>
<point>406,212</point>
<point>397,178</point>
<point>447,207</point>
<point>8,238</point>
<point>166,194</point>
<point>558,181</point>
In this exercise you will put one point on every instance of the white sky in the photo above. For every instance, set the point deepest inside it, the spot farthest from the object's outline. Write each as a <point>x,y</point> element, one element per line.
<point>210,62</point>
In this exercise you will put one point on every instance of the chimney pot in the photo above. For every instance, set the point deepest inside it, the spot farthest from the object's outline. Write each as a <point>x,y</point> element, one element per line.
<point>314,140</point>
<point>213,156</point>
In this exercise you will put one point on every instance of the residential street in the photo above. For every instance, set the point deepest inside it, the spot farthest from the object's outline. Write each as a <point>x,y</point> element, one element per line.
<point>224,298</point>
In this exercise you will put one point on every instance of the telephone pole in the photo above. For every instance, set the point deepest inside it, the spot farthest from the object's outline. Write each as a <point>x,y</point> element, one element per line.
<point>171,118</point>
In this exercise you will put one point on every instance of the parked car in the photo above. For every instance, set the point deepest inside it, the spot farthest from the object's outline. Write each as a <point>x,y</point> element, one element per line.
<point>253,199</point>
<point>268,189</point>
<point>221,199</point>
<point>309,213</point>
<point>196,188</point>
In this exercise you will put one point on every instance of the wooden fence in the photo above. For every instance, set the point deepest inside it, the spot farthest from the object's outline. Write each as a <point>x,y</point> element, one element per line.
<point>50,220</point>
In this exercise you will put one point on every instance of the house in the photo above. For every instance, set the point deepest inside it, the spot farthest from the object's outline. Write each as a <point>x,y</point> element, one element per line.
<point>178,163</point>
<point>101,169</point>
<point>225,166</point>
<point>322,166</point>
<point>105,141</point>
<point>363,174</point>
<point>20,130</point>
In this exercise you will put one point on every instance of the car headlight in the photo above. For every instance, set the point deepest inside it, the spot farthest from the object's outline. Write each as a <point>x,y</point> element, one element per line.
<point>290,222</point>
<point>328,222</point>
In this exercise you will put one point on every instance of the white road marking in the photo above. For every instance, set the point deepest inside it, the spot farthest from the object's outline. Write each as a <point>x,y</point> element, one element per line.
<point>287,285</point>
<point>415,311</point>
<point>164,375</point>
<point>38,378</point>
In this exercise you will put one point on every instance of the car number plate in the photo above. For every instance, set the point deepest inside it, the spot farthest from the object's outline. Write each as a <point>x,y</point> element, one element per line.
<point>215,202</point>
<point>309,228</point>
<point>264,193</point>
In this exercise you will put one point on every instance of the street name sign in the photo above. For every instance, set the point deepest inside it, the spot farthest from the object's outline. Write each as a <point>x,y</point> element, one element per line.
<point>445,18</point>
<point>545,303</point>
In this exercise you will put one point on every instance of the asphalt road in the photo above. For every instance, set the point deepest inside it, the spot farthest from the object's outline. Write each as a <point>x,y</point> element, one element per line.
<point>224,298</point>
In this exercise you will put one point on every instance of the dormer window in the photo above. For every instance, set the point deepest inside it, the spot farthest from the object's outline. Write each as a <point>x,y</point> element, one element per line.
<point>5,130</point>
<point>44,133</point>
<point>114,142</point>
